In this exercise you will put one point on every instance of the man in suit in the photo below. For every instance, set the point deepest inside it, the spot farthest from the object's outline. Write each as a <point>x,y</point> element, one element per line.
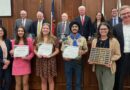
<point>23,21</point>
<point>37,25</point>
<point>115,19</point>
<point>122,33</point>
<point>86,27</point>
<point>63,27</point>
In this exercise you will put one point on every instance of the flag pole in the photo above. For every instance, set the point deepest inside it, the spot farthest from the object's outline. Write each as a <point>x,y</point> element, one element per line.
<point>103,8</point>
<point>51,22</point>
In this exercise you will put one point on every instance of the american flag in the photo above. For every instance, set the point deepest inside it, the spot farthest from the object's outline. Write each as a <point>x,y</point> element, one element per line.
<point>52,18</point>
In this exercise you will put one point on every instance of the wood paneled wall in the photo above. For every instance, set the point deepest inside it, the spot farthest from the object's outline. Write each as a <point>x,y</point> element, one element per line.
<point>71,7</point>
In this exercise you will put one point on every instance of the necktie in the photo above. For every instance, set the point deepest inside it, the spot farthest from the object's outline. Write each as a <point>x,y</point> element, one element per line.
<point>63,27</point>
<point>23,23</point>
<point>114,21</point>
<point>38,27</point>
<point>82,20</point>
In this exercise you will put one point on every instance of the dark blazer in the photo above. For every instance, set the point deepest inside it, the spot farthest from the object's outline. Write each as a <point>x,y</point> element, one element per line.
<point>59,29</point>
<point>94,27</point>
<point>33,30</point>
<point>86,29</point>
<point>118,33</point>
<point>110,22</point>
<point>18,23</point>
<point>9,47</point>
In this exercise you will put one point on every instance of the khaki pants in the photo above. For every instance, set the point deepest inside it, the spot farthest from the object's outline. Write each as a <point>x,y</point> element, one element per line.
<point>105,78</point>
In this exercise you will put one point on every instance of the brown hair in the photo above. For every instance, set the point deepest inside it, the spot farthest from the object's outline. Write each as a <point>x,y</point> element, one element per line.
<point>124,7</point>
<point>110,35</point>
<point>24,36</point>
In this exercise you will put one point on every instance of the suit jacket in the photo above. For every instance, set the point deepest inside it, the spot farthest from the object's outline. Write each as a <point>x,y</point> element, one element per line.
<point>94,27</point>
<point>86,29</point>
<point>18,23</point>
<point>59,29</point>
<point>118,33</point>
<point>33,30</point>
<point>110,22</point>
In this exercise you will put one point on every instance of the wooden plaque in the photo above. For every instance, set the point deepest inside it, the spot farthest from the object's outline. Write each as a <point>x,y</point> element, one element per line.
<point>100,56</point>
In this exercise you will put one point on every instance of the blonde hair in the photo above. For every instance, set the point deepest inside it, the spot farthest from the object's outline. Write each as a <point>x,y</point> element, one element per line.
<point>51,37</point>
<point>124,7</point>
<point>80,7</point>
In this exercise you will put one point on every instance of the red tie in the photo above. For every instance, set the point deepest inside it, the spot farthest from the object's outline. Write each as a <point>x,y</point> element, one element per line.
<point>82,20</point>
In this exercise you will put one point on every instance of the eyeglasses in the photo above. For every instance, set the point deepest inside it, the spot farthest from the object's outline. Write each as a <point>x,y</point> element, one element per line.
<point>103,29</point>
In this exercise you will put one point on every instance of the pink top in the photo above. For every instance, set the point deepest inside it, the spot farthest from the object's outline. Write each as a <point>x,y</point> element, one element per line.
<point>21,66</point>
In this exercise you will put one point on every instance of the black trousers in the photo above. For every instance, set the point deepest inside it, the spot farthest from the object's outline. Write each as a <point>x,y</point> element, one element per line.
<point>123,69</point>
<point>5,78</point>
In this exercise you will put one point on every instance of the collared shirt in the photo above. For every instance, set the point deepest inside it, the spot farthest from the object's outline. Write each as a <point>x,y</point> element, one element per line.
<point>126,32</point>
<point>116,21</point>
<point>81,42</point>
<point>64,27</point>
<point>39,26</point>
<point>82,18</point>
<point>23,22</point>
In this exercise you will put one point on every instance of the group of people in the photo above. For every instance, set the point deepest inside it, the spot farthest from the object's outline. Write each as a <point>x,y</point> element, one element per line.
<point>113,34</point>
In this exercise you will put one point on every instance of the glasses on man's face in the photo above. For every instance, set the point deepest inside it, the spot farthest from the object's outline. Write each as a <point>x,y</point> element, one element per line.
<point>127,13</point>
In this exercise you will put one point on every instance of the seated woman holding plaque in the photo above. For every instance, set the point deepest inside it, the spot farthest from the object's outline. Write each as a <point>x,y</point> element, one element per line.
<point>46,49</point>
<point>73,48</point>
<point>5,60</point>
<point>104,53</point>
<point>22,52</point>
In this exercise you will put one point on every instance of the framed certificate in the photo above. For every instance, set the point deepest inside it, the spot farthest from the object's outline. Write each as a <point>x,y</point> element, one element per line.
<point>21,50</point>
<point>71,52</point>
<point>45,49</point>
<point>100,56</point>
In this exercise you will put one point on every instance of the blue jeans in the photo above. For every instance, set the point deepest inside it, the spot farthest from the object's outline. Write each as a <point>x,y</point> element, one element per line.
<point>5,78</point>
<point>70,67</point>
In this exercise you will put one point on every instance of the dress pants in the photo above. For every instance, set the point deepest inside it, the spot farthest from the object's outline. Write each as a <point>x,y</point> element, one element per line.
<point>5,78</point>
<point>70,67</point>
<point>123,69</point>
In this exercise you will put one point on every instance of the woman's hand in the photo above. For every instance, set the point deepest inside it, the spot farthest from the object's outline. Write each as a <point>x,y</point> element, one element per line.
<point>11,52</point>
<point>39,56</point>
<point>109,65</point>
<point>6,64</point>
<point>44,56</point>
<point>90,62</point>
<point>25,58</point>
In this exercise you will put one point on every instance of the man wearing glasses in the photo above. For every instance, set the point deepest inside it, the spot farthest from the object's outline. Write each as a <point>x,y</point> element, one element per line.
<point>122,33</point>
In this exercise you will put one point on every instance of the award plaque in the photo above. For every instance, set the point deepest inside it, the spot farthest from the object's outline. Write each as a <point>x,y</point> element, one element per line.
<point>100,56</point>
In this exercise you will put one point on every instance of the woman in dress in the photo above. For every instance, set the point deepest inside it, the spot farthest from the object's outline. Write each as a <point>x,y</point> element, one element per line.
<point>106,73</point>
<point>46,64</point>
<point>5,60</point>
<point>21,65</point>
